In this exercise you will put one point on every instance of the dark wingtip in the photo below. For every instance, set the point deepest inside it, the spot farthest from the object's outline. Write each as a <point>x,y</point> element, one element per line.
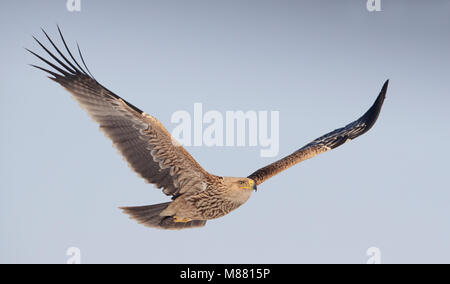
<point>385,86</point>
<point>84,63</point>
<point>53,56</point>
<point>45,70</point>
<point>380,99</point>
<point>48,62</point>
<point>68,50</point>
<point>371,116</point>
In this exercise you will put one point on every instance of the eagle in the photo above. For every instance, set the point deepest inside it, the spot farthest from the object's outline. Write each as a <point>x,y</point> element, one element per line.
<point>150,150</point>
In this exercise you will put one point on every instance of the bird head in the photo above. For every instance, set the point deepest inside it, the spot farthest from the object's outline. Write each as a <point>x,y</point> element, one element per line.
<point>240,183</point>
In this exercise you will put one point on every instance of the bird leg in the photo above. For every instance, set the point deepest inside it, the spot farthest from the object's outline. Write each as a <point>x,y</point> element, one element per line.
<point>176,219</point>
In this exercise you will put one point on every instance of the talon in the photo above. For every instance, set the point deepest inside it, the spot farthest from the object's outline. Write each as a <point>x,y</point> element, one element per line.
<point>176,219</point>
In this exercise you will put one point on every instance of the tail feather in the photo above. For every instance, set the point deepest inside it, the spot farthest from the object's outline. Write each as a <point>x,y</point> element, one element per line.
<point>149,216</point>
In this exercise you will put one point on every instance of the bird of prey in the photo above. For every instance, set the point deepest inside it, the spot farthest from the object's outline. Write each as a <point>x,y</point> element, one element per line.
<point>197,195</point>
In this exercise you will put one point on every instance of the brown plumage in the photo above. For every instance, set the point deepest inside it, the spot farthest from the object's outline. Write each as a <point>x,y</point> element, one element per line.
<point>150,151</point>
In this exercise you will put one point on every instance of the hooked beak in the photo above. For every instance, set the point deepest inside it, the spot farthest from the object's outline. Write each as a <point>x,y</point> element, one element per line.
<point>253,185</point>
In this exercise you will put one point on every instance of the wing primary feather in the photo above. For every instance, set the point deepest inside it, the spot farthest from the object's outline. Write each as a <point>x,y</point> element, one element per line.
<point>61,54</point>
<point>82,60</point>
<point>54,57</point>
<point>68,50</point>
<point>49,63</point>
<point>56,75</point>
<point>371,116</point>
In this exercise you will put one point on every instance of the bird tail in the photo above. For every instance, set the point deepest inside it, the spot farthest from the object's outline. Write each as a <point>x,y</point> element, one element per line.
<point>150,216</point>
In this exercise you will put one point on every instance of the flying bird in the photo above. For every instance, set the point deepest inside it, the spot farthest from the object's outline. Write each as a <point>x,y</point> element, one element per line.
<point>197,195</point>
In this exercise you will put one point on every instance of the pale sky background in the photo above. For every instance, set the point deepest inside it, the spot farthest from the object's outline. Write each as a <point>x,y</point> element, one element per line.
<point>319,63</point>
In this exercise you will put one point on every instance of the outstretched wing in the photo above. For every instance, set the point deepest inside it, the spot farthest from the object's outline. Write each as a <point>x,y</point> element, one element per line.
<point>326,142</point>
<point>141,139</point>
